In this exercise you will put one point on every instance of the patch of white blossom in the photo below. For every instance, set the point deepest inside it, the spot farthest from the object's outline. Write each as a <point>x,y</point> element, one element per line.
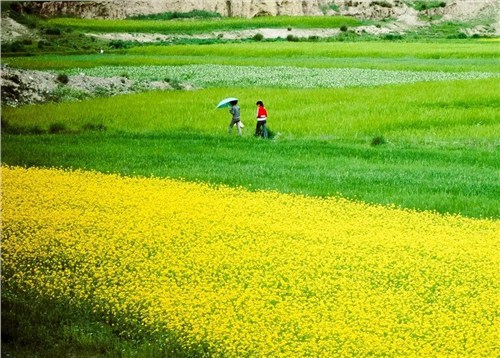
<point>283,77</point>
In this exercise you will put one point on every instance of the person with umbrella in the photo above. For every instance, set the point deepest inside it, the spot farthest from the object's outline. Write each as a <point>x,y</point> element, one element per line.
<point>235,120</point>
<point>234,109</point>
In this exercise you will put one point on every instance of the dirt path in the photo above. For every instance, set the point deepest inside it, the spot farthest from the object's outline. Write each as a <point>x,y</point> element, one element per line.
<point>267,33</point>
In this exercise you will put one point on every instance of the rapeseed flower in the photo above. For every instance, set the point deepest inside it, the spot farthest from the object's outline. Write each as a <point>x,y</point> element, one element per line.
<point>258,274</point>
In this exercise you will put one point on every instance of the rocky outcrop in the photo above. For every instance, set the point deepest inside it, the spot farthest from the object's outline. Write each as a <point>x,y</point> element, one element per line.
<point>364,9</point>
<point>21,87</point>
<point>123,8</point>
<point>450,9</point>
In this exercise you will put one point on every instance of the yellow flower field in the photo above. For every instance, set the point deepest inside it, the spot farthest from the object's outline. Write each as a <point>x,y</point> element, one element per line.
<point>254,274</point>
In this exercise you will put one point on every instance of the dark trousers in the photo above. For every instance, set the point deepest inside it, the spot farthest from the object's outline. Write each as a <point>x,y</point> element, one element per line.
<point>261,129</point>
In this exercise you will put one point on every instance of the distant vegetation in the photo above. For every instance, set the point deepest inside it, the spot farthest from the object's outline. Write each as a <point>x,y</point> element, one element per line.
<point>70,35</point>
<point>195,14</point>
<point>204,25</point>
<point>455,55</point>
<point>421,5</point>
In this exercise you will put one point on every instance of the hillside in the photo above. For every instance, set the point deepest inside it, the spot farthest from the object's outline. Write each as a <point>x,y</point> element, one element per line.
<point>364,9</point>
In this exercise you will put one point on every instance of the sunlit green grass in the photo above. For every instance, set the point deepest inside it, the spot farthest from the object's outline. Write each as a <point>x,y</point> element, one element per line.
<point>416,122</point>
<point>59,62</point>
<point>203,25</point>
<point>441,148</point>
<point>424,178</point>
<point>456,113</point>
<point>451,49</point>
<point>455,56</point>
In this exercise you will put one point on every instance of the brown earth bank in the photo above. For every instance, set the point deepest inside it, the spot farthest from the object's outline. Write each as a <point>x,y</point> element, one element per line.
<point>363,9</point>
<point>404,15</point>
<point>21,87</point>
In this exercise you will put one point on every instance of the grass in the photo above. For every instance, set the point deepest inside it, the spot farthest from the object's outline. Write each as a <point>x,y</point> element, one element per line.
<point>194,14</point>
<point>59,327</point>
<point>447,29</point>
<point>420,5</point>
<point>203,25</point>
<point>459,114</point>
<point>444,180</point>
<point>457,55</point>
<point>48,39</point>
<point>451,49</point>
<point>324,146</point>
<point>33,326</point>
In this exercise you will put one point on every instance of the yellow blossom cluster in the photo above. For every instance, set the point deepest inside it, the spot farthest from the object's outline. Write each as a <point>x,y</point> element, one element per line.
<point>257,274</point>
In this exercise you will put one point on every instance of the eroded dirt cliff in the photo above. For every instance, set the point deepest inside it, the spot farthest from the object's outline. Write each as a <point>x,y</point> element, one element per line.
<point>366,9</point>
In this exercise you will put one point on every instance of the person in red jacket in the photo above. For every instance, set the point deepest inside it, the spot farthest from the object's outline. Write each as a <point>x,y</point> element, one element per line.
<point>260,129</point>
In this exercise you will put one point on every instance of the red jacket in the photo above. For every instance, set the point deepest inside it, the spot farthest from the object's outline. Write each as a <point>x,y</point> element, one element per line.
<point>261,113</point>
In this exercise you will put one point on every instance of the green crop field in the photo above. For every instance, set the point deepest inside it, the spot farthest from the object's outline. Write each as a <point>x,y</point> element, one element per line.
<point>451,56</point>
<point>398,126</point>
<point>205,25</point>
<point>414,111</point>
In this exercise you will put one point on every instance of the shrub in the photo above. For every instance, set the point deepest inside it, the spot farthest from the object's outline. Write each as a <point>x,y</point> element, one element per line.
<point>15,46</point>
<point>101,91</point>
<point>30,21</point>
<point>119,44</point>
<point>334,7</point>
<point>379,140</point>
<point>258,37</point>
<point>42,44</point>
<point>426,4</point>
<point>292,38</point>
<point>66,93</point>
<point>53,31</point>
<point>63,78</point>
<point>392,37</point>
<point>381,4</point>
<point>343,28</point>
<point>174,82</point>
<point>91,127</point>
<point>57,127</point>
